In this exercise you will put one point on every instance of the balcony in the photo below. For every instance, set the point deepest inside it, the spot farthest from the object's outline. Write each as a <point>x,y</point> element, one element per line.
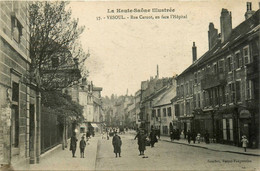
<point>213,80</point>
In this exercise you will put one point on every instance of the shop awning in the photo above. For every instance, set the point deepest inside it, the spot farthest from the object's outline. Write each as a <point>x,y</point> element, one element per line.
<point>94,125</point>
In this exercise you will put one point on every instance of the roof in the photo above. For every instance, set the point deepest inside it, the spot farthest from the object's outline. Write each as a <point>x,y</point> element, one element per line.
<point>243,30</point>
<point>165,97</point>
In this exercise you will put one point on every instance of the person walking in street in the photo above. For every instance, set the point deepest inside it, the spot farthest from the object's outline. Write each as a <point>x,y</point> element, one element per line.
<point>189,136</point>
<point>207,137</point>
<point>117,142</point>
<point>244,142</point>
<point>87,135</point>
<point>82,146</point>
<point>73,144</point>
<point>193,137</point>
<point>171,135</point>
<point>153,138</point>
<point>141,141</point>
<point>198,137</point>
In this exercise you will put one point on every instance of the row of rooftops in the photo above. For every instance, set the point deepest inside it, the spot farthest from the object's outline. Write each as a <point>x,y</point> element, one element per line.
<point>240,33</point>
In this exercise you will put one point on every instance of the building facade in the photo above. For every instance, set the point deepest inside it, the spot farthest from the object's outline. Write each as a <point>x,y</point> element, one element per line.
<point>219,92</point>
<point>19,96</point>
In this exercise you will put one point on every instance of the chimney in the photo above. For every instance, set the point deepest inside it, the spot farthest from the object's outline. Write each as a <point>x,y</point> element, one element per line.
<point>225,24</point>
<point>249,11</point>
<point>194,53</point>
<point>212,35</point>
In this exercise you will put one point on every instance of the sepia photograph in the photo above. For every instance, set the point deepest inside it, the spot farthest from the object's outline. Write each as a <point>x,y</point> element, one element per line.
<point>129,85</point>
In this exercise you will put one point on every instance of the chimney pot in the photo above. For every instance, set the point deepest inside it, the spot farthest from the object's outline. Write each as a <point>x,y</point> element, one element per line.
<point>249,11</point>
<point>194,53</point>
<point>225,24</point>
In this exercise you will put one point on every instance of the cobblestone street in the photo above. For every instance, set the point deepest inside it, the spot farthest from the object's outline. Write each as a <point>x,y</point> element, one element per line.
<point>164,156</point>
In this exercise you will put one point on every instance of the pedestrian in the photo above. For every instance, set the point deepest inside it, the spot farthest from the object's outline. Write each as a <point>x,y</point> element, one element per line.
<point>159,133</point>
<point>141,141</point>
<point>117,142</point>
<point>189,136</point>
<point>206,137</point>
<point>73,144</point>
<point>153,138</point>
<point>177,134</point>
<point>193,137</point>
<point>198,137</point>
<point>87,135</point>
<point>244,142</point>
<point>171,136</point>
<point>82,146</point>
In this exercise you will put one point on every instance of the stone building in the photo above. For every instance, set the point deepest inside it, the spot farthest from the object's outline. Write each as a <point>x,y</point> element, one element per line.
<point>19,97</point>
<point>163,111</point>
<point>219,91</point>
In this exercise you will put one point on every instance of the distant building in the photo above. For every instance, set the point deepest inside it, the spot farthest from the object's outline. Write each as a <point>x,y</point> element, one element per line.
<point>88,96</point>
<point>162,110</point>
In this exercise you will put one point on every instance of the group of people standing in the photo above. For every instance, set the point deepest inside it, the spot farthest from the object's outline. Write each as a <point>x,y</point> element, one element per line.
<point>82,144</point>
<point>197,137</point>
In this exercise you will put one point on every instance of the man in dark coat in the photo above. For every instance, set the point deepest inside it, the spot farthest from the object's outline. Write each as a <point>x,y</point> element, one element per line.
<point>116,141</point>
<point>153,137</point>
<point>189,136</point>
<point>206,137</point>
<point>73,144</point>
<point>193,137</point>
<point>141,141</point>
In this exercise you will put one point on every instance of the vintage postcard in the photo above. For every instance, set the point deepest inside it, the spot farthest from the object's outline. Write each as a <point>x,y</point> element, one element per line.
<point>129,85</point>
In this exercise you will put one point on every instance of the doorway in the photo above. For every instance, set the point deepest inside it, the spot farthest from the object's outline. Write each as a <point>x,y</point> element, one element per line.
<point>32,134</point>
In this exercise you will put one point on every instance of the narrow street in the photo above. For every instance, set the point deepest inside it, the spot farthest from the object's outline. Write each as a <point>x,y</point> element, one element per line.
<point>169,156</point>
<point>164,156</point>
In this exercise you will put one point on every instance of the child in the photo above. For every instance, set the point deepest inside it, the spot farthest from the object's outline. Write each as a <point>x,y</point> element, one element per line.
<point>82,146</point>
<point>198,137</point>
<point>244,142</point>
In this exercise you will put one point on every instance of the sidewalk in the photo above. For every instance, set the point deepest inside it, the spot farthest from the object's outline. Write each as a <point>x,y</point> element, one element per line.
<point>62,159</point>
<point>215,147</point>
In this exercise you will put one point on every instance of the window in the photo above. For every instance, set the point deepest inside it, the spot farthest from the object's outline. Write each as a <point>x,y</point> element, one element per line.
<point>177,109</point>
<point>229,63</point>
<point>228,129</point>
<point>169,111</point>
<point>187,108</point>
<point>194,101</point>
<point>182,90</point>
<point>15,115</point>
<point>187,88</point>
<point>231,92</point>
<point>153,113</point>
<point>238,60</point>
<point>221,66</point>
<point>159,112</point>
<point>246,55</point>
<point>178,91</point>
<point>198,77</point>
<point>164,112</point>
<point>215,69</point>
<point>249,89</point>
<point>199,100</point>
<point>16,29</point>
<point>191,87</point>
<point>195,78</point>
<point>182,109</point>
<point>238,91</point>
<point>15,92</point>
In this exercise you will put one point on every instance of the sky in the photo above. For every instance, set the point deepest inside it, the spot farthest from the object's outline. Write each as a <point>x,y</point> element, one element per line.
<point>124,52</point>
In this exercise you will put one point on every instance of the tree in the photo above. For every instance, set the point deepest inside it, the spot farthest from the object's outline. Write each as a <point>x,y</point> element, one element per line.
<point>54,45</point>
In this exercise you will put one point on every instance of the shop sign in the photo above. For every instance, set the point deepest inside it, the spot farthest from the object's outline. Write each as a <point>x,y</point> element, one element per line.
<point>244,114</point>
